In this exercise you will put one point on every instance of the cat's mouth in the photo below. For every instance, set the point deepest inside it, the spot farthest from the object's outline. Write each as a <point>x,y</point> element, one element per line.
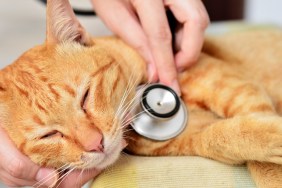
<point>101,160</point>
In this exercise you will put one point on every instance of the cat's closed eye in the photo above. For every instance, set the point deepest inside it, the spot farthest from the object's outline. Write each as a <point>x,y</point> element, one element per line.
<point>52,134</point>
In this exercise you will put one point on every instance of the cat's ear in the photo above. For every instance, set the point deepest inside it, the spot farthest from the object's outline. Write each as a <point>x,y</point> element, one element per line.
<point>63,26</point>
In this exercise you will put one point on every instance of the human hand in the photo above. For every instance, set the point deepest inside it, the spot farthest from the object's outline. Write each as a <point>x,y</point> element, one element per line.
<point>18,170</point>
<point>143,25</point>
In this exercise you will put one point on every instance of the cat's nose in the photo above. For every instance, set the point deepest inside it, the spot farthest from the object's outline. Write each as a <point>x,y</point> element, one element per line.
<point>95,144</point>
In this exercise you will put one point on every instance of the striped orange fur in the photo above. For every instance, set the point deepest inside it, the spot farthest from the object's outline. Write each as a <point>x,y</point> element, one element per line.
<point>64,102</point>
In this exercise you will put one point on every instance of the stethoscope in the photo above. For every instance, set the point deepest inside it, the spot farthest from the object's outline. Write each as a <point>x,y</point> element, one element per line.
<point>159,114</point>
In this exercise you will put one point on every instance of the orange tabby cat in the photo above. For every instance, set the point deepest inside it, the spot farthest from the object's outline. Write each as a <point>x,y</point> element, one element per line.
<point>63,102</point>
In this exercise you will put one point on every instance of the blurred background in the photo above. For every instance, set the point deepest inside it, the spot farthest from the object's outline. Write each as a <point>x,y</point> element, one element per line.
<point>22,22</point>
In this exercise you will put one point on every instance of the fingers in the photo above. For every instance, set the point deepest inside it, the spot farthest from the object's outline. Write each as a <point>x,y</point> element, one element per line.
<point>193,15</point>
<point>17,169</point>
<point>78,178</point>
<point>154,22</point>
<point>122,20</point>
<point>190,47</point>
<point>14,182</point>
<point>143,25</point>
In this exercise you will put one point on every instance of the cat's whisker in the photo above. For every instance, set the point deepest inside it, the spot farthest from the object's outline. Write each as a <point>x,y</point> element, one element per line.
<point>121,109</point>
<point>129,138</point>
<point>127,121</point>
<point>52,175</point>
<point>61,179</point>
<point>131,88</point>
<point>121,104</point>
<point>80,176</point>
<point>125,94</point>
<point>127,130</point>
<point>130,104</point>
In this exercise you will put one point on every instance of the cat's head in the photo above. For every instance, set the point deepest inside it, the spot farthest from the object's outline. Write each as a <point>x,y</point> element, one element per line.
<point>63,102</point>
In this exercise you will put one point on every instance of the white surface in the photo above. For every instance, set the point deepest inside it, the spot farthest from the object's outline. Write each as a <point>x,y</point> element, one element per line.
<point>22,26</point>
<point>264,11</point>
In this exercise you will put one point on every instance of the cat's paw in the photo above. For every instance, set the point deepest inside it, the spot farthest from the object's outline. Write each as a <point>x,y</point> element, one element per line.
<point>246,138</point>
<point>273,150</point>
<point>267,139</point>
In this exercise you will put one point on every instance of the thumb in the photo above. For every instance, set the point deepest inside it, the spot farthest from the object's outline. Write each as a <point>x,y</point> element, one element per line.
<point>47,177</point>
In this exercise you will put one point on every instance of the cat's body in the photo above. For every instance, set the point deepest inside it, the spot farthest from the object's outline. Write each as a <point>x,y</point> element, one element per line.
<point>61,102</point>
<point>237,75</point>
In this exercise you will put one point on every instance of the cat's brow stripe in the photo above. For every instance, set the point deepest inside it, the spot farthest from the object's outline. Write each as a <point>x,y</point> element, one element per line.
<point>2,88</point>
<point>37,120</point>
<point>99,90</point>
<point>28,128</point>
<point>103,68</point>
<point>120,75</point>
<point>115,84</point>
<point>69,90</point>
<point>43,78</point>
<point>54,92</point>
<point>40,107</point>
<point>23,92</point>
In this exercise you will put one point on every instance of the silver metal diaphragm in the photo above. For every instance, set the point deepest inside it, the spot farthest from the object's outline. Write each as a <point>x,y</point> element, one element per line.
<point>160,113</point>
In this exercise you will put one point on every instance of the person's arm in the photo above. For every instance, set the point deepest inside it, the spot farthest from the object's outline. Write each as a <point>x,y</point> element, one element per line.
<point>143,25</point>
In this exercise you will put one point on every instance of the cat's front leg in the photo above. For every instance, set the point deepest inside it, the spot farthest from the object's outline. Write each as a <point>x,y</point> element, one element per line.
<point>254,137</point>
<point>266,175</point>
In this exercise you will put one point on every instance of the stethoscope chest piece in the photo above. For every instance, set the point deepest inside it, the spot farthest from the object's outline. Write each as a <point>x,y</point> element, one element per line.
<point>159,113</point>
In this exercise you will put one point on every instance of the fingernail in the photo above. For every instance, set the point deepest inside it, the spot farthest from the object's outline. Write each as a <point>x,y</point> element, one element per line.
<point>175,86</point>
<point>47,177</point>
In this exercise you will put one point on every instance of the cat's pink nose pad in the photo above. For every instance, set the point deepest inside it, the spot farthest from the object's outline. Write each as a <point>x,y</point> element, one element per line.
<point>95,144</point>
